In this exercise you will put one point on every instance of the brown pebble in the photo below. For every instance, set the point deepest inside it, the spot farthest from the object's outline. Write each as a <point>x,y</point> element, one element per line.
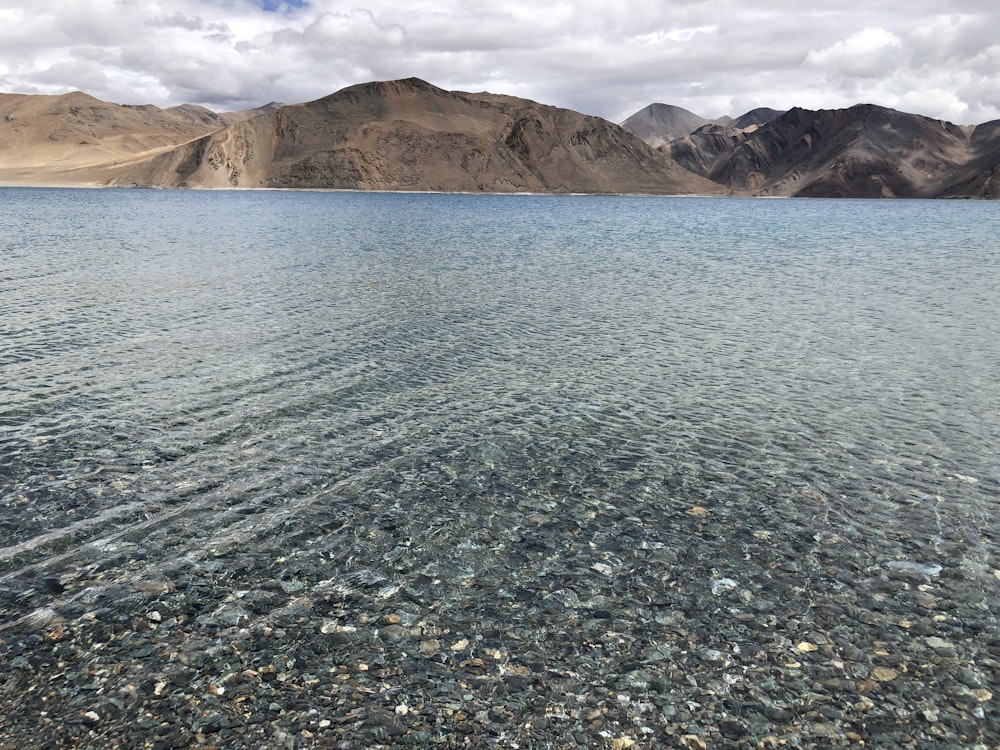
<point>55,633</point>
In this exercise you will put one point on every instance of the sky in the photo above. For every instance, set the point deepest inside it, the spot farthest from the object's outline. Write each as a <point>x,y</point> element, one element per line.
<point>938,58</point>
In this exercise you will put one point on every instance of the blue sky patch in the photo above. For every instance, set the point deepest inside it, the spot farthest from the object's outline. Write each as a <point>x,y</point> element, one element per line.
<point>278,6</point>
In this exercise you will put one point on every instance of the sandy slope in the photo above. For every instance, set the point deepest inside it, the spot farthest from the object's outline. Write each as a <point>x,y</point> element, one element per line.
<point>75,139</point>
<point>76,130</point>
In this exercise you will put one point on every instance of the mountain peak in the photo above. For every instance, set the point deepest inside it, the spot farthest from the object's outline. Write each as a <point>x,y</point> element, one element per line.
<point>383,89</point>
<point>659,123</point>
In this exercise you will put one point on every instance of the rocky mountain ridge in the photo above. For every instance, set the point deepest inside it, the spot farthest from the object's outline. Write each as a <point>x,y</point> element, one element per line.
<point>389,135</point>
<point>411,135</point>
<point>864,151</point>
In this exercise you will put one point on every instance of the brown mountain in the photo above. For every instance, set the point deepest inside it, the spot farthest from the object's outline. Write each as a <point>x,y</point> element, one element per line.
<point>410,135</point>
<point>864,151</point>
<point>69,138</point>
<point>189,113</point>
<point>231,118</point>
<point>199,115</point>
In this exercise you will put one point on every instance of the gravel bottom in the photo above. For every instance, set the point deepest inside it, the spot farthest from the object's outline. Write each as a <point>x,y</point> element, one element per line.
<point>581,628</point>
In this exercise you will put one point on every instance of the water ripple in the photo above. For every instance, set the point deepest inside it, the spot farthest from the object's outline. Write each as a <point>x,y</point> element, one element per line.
<point>186,375</point>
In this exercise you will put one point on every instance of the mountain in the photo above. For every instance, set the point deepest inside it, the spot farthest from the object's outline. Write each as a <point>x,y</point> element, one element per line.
<point>658,124</point>
<point>189,113</point>
<point>697,149</point>
<point>758,116</point>
<point>864,151</point>
<point>58,138</point>
<point>198,115</point>
<point>410,135</point>
<point>980,176</point>
<point>231,118</point>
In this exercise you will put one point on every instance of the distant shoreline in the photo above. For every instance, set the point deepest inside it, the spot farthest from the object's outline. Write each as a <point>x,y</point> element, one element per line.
<point>92,186</point>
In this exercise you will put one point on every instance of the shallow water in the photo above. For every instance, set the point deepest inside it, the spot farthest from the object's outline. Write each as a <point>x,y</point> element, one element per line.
<point>490,411</point>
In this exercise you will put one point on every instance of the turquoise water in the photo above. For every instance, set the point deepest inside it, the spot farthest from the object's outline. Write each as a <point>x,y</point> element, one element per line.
<point>491,401</point>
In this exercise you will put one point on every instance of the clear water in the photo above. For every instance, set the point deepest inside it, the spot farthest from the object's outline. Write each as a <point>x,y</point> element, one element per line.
<point>469,398</point>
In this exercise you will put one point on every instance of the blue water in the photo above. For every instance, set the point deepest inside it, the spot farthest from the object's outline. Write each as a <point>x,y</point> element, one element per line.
<point>474,396</point>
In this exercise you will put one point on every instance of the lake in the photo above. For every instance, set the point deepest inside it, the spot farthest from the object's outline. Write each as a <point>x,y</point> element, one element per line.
<point>410,468</point>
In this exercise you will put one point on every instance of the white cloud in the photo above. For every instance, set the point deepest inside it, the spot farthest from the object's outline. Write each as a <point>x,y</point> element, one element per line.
<point>869,53</point>
<point>609,59</point>
<point>355,30</point>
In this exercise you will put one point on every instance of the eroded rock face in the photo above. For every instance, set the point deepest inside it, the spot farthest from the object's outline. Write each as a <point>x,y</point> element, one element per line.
<point>699,151</point>
<point>864,151</point>
<point>410,135</point>
<point>980,177</point>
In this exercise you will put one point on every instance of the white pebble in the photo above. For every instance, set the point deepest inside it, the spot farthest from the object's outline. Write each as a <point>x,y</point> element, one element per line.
<point>722,585</point>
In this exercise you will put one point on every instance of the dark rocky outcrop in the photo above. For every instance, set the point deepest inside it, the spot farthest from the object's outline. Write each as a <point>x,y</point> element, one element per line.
<point>980,177</point>
<point>865,151</point>
<point>700,150</point>
<point>758,116</point>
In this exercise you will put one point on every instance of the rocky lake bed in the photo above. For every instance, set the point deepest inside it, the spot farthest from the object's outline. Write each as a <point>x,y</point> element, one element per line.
<point>570,473</point>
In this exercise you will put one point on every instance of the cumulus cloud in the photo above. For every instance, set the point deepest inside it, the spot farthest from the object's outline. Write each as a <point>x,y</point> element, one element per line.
<point>869,53</point>
<point>180,21</point>
<point>723,57</point>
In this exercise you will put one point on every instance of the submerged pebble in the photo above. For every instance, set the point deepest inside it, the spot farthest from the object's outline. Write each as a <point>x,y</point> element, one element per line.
<point>722,585</point>
<point>908,566</point>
